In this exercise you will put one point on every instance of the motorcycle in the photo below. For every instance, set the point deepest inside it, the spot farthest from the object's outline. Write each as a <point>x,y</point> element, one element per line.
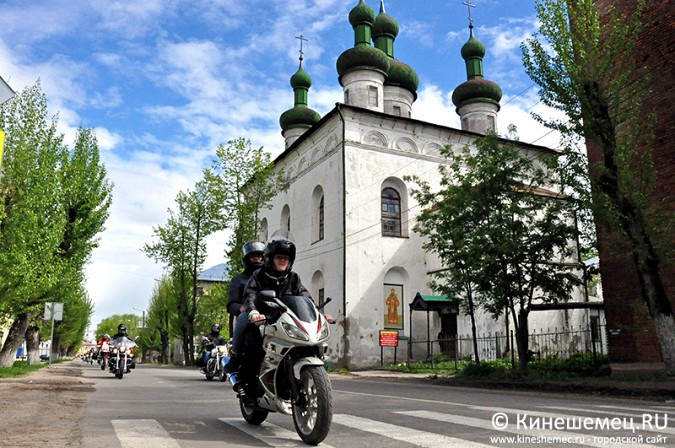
<point>216,363</point>
<point>285,372</point>
<point>121,358</point>
<point>103,355</point>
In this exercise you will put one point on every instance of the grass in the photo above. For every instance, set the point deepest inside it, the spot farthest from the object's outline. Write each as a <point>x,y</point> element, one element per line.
<point>552,368</point>
<point>20,368</point>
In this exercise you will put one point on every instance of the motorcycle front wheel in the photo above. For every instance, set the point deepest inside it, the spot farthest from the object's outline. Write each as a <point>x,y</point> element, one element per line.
<point>313,407</point>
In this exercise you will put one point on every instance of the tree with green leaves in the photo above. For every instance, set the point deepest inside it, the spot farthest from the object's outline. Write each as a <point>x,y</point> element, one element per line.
<point>243,182</point>
<point>505,237</point>
<point>55,202</point>
<point>162,317</point>
<point>77,310</point>
<point>181,246</point>
<point>32,227</point>
<point>109,325</point>
<point>586,67</point>
<point>213,309</point>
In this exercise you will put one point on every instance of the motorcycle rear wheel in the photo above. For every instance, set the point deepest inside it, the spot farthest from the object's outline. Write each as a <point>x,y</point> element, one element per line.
<point>313,407</point>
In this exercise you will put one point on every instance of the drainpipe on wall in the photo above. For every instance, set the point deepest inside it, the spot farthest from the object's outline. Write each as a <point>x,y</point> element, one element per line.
<point>345,320</point>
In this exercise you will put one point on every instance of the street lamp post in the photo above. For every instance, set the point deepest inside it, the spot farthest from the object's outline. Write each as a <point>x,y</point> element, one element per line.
<point>142,318</point>
<point>142,327</point>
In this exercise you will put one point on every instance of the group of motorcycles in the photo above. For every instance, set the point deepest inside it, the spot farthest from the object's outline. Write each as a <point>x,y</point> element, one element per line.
<point>283,369</point>
<point>118,356</point>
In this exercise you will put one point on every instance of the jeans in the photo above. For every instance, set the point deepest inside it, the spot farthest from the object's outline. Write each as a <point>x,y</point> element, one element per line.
<point>239,330</point>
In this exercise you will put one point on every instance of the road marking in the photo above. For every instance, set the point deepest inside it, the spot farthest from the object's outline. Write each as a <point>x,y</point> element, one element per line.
<point>143,433</point>
<point>269,433</point>
<point>421,400</point>
<point>403,434</point>
<point>588,439</point>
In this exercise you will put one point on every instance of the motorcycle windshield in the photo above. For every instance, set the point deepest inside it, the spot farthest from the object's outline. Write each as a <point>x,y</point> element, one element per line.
<point>302,306</point>
<point>123,342</point>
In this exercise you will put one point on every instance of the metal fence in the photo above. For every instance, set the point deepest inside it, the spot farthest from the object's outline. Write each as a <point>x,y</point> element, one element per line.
<point>544,344</point>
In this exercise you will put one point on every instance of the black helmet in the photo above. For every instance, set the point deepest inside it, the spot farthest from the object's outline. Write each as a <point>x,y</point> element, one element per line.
<point>279,244</point>
<point>215,328</point>
<point>122,329</point>
<point>250,248</point>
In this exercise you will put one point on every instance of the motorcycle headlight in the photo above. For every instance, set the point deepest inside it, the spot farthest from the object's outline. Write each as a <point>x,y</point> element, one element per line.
<point>325,332</point>
<point>294,332</point>
<point>222,349</point>
<point>123,349</point>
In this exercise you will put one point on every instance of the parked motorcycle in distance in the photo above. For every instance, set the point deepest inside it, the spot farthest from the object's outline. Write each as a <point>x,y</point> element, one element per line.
<point>216,363</point>
<point>121,359</point>
<point>286,373</point>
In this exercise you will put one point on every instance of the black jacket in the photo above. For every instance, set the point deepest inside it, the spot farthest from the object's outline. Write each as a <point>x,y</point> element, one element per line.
<point>290,285</point>
<point>237,287</point>
<point>216,339</point>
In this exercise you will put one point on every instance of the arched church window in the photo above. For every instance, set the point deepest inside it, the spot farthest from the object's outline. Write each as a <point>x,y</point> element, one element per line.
<point>391,212</point>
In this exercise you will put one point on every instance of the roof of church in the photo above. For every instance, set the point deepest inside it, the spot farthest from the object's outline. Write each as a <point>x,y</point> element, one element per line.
<point>335,111</point>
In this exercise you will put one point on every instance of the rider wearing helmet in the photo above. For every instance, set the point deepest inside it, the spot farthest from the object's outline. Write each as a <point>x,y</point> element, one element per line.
<point>253,260</point>
<point>215,339</point>
<point>276,275</point>
<point>121,332</point>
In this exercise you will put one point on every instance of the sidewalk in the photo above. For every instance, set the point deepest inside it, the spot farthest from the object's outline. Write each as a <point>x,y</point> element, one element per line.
<point>661,390</point>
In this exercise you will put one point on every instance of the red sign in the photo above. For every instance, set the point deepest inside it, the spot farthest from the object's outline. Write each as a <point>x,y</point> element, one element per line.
<point>388,338</point>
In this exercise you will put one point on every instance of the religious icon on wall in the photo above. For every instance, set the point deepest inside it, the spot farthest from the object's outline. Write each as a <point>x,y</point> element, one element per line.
<point>393,305</point>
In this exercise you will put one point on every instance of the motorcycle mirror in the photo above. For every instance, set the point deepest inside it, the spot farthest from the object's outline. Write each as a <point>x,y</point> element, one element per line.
<point>325,302</point>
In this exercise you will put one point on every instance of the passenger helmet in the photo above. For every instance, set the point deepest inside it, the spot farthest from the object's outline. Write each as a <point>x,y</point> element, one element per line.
<point>280,243</point>
<point>250,248</point>
<point>106,336</point>
<point>215,328</point>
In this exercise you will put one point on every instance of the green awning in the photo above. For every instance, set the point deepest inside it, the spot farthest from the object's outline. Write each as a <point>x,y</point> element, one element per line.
<point>434,303</point>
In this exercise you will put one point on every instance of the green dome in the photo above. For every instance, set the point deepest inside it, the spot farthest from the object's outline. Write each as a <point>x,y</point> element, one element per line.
<point>477,90</point>
<point>401,74</point>
<point>362,13</point>
<point>301,79</point>
<point>298,117</point>
<point>473,48</point>
<point>385,25</point>
<point>362,56</point>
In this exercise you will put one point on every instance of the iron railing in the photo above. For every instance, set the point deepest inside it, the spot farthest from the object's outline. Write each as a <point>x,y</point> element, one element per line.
<point>544,344</point>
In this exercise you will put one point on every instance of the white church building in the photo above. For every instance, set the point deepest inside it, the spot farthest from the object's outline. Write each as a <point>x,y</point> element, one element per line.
<point>350,210</point>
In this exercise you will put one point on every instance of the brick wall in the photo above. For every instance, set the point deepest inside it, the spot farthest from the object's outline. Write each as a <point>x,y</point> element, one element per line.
<point>633,338</point>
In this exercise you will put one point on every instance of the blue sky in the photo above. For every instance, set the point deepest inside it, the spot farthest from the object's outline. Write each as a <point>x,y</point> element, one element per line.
<point>164,82</point>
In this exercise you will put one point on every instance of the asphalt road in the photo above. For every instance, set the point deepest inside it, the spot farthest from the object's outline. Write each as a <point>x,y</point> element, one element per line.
<point>177,407</point>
